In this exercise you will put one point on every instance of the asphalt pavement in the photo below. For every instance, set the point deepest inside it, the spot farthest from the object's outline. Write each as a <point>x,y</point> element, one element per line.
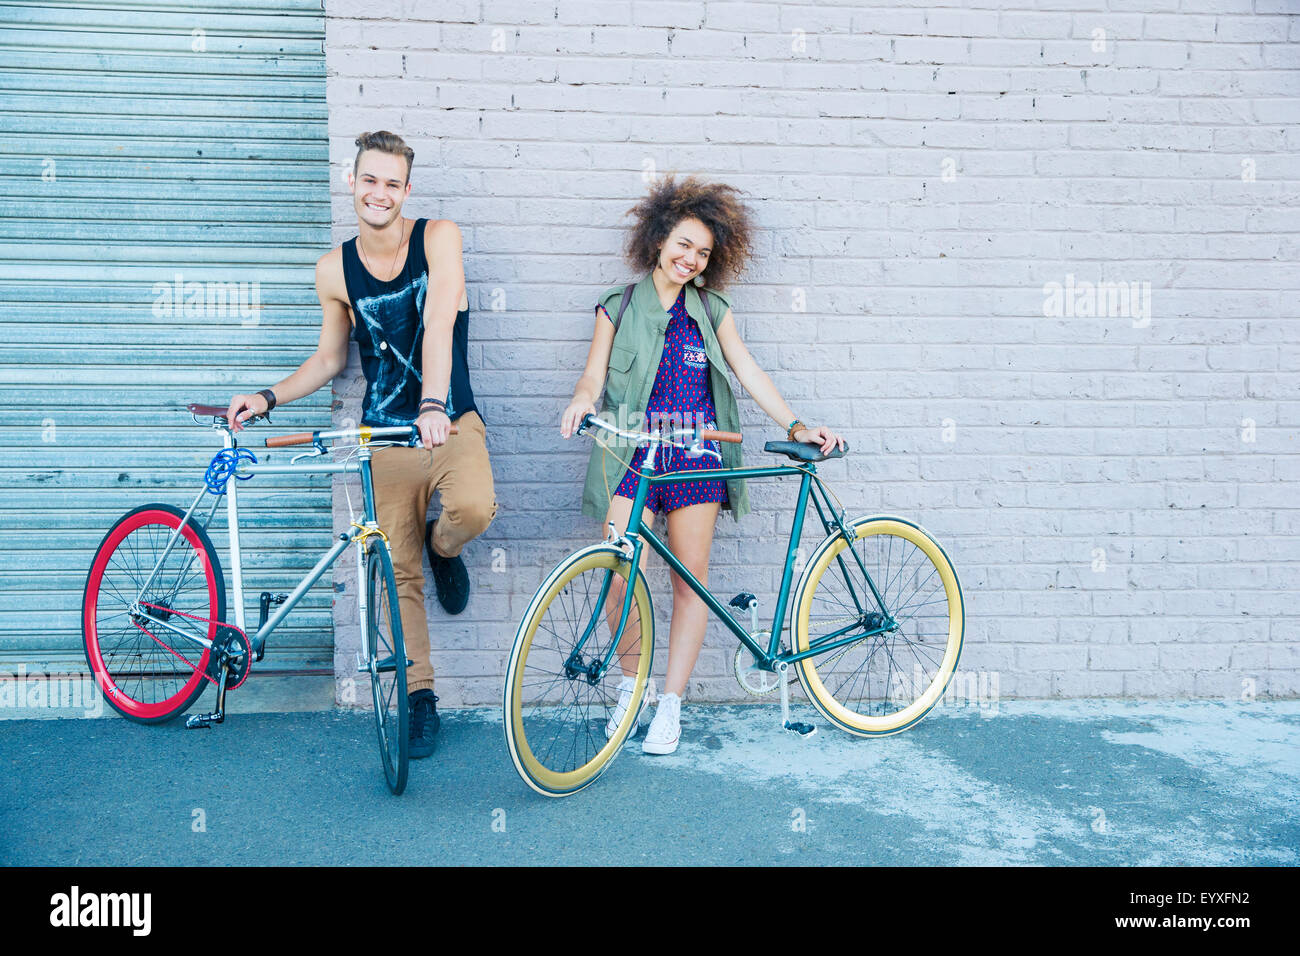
<point>1028,782</point>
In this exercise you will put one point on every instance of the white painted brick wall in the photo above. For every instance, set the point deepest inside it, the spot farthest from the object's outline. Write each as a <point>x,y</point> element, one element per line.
<point>1077,439</point>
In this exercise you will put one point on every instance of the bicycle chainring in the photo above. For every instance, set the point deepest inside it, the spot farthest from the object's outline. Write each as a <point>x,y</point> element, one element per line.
<point>231,645</point>
<point>758,683</point>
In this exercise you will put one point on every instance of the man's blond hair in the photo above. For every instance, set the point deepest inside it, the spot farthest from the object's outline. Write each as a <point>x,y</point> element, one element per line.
<point>384,142</point>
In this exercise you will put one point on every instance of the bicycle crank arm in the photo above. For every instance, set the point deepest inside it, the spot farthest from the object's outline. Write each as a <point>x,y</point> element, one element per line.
<point>794,726</point>
<point>218,716</point>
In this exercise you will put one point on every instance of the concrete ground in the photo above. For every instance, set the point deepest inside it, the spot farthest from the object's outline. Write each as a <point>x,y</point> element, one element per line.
<point>1069,783</point>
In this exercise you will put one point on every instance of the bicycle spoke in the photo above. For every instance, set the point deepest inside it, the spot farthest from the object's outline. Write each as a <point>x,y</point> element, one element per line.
<point>382,641</point>
<point>563,713</point>
<point>152,667</point>
<point>884,673</point>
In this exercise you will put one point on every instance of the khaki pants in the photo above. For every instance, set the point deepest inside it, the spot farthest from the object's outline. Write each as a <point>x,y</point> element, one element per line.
<point>404,481</point>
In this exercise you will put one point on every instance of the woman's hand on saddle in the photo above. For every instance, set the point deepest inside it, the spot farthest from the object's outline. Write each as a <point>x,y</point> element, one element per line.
<point>821,435</point>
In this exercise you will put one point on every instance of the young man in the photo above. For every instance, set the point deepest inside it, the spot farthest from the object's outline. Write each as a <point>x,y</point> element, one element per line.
<point>398,288</point>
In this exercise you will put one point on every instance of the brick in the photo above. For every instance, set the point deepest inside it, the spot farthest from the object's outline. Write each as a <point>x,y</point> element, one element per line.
<point>1072,433</point>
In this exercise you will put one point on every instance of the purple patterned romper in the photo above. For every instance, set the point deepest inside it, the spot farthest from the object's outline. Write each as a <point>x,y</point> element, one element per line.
<point>681,396</point>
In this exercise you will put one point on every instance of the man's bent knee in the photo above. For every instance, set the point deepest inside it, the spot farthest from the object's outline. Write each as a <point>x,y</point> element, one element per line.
<point>461,523</point>
<point>473,519</point>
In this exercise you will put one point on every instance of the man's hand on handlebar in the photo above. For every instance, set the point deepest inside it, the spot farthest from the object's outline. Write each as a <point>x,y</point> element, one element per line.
<point>244,407</point>
<point>434,427</point>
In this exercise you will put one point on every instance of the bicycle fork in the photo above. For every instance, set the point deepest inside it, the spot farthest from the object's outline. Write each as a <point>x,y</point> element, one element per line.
<point>574,665</point>
<point>368,661</point>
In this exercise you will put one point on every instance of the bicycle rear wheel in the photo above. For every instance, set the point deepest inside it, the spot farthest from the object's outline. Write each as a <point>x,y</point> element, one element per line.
<point>147,672</point>
<point>556,710</point>
<point>386,654</point>
<point>880,683</point>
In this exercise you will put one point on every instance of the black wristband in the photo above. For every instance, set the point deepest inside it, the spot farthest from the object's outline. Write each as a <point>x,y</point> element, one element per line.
<point>437,402</point>
<point>269,395</point>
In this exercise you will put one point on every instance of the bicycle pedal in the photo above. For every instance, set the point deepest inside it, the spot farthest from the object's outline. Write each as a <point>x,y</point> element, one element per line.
<point>265,602</point>
<point>387,665</point>
<point>802,729</point>
<point>198,722</point>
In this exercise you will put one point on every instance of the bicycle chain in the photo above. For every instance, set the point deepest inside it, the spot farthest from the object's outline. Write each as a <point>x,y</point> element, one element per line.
<point>206,620</point>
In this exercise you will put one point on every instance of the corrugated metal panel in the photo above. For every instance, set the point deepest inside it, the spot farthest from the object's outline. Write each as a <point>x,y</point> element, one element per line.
<point>140,142</point>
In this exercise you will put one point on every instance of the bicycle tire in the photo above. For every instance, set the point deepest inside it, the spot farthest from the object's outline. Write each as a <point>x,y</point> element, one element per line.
<point>149,674</point>
<point>539,719</point>
<point>386,656</point>
<point>878,702</point>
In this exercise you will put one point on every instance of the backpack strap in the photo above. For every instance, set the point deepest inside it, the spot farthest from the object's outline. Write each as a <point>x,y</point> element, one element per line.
<point>708,310</point>
<point>627,297</point>
<point>622,305</point>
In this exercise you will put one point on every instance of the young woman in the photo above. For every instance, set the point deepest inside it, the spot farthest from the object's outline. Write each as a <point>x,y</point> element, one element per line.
<point>664,359</point>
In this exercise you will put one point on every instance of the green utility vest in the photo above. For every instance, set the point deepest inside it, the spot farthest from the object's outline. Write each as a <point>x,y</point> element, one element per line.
<point>633,364</point>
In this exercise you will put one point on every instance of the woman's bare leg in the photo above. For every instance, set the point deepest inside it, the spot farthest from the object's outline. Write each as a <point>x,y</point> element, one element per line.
<point>629,648</point>
<point>690,535</point>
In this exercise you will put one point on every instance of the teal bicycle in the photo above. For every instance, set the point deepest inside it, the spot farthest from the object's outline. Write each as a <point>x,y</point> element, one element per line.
<point>877,622</point>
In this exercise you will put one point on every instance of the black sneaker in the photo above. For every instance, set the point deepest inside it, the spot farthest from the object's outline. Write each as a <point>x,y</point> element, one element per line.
<point>424,723</point>
<point>450,579</point>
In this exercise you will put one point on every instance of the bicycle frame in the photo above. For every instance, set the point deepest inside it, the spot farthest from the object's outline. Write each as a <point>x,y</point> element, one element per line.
<point>247,469</point>
<point>638,534</point>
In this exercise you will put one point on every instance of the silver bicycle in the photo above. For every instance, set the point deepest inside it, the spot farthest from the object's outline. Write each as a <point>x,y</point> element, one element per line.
<point>154,619</point>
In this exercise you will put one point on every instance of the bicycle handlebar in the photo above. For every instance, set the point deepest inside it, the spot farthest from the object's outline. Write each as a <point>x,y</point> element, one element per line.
<point>297,438</point>
<point>704,434</point>
<point>366,432</point>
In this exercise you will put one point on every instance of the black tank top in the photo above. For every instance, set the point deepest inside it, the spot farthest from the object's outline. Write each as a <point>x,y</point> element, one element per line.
<point>389,330</point>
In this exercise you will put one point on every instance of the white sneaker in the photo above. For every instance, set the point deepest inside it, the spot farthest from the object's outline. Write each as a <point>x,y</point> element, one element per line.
<point>625,688</point>
<point>666,728</point>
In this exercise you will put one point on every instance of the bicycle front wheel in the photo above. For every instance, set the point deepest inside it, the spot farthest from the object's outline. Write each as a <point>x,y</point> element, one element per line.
<point>879,683</point>
<point>143,643</point>
<point>562,721</point>
<point>386,655</point>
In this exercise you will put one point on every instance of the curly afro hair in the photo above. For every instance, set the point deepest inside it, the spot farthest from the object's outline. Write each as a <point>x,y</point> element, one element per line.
<point>714,204</point>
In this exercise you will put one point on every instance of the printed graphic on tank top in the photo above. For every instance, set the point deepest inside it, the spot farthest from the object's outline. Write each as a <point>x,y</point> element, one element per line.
<point>389,331</point>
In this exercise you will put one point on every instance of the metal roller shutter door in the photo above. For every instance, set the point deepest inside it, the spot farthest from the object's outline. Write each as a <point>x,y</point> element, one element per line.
<point>144,145</point>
